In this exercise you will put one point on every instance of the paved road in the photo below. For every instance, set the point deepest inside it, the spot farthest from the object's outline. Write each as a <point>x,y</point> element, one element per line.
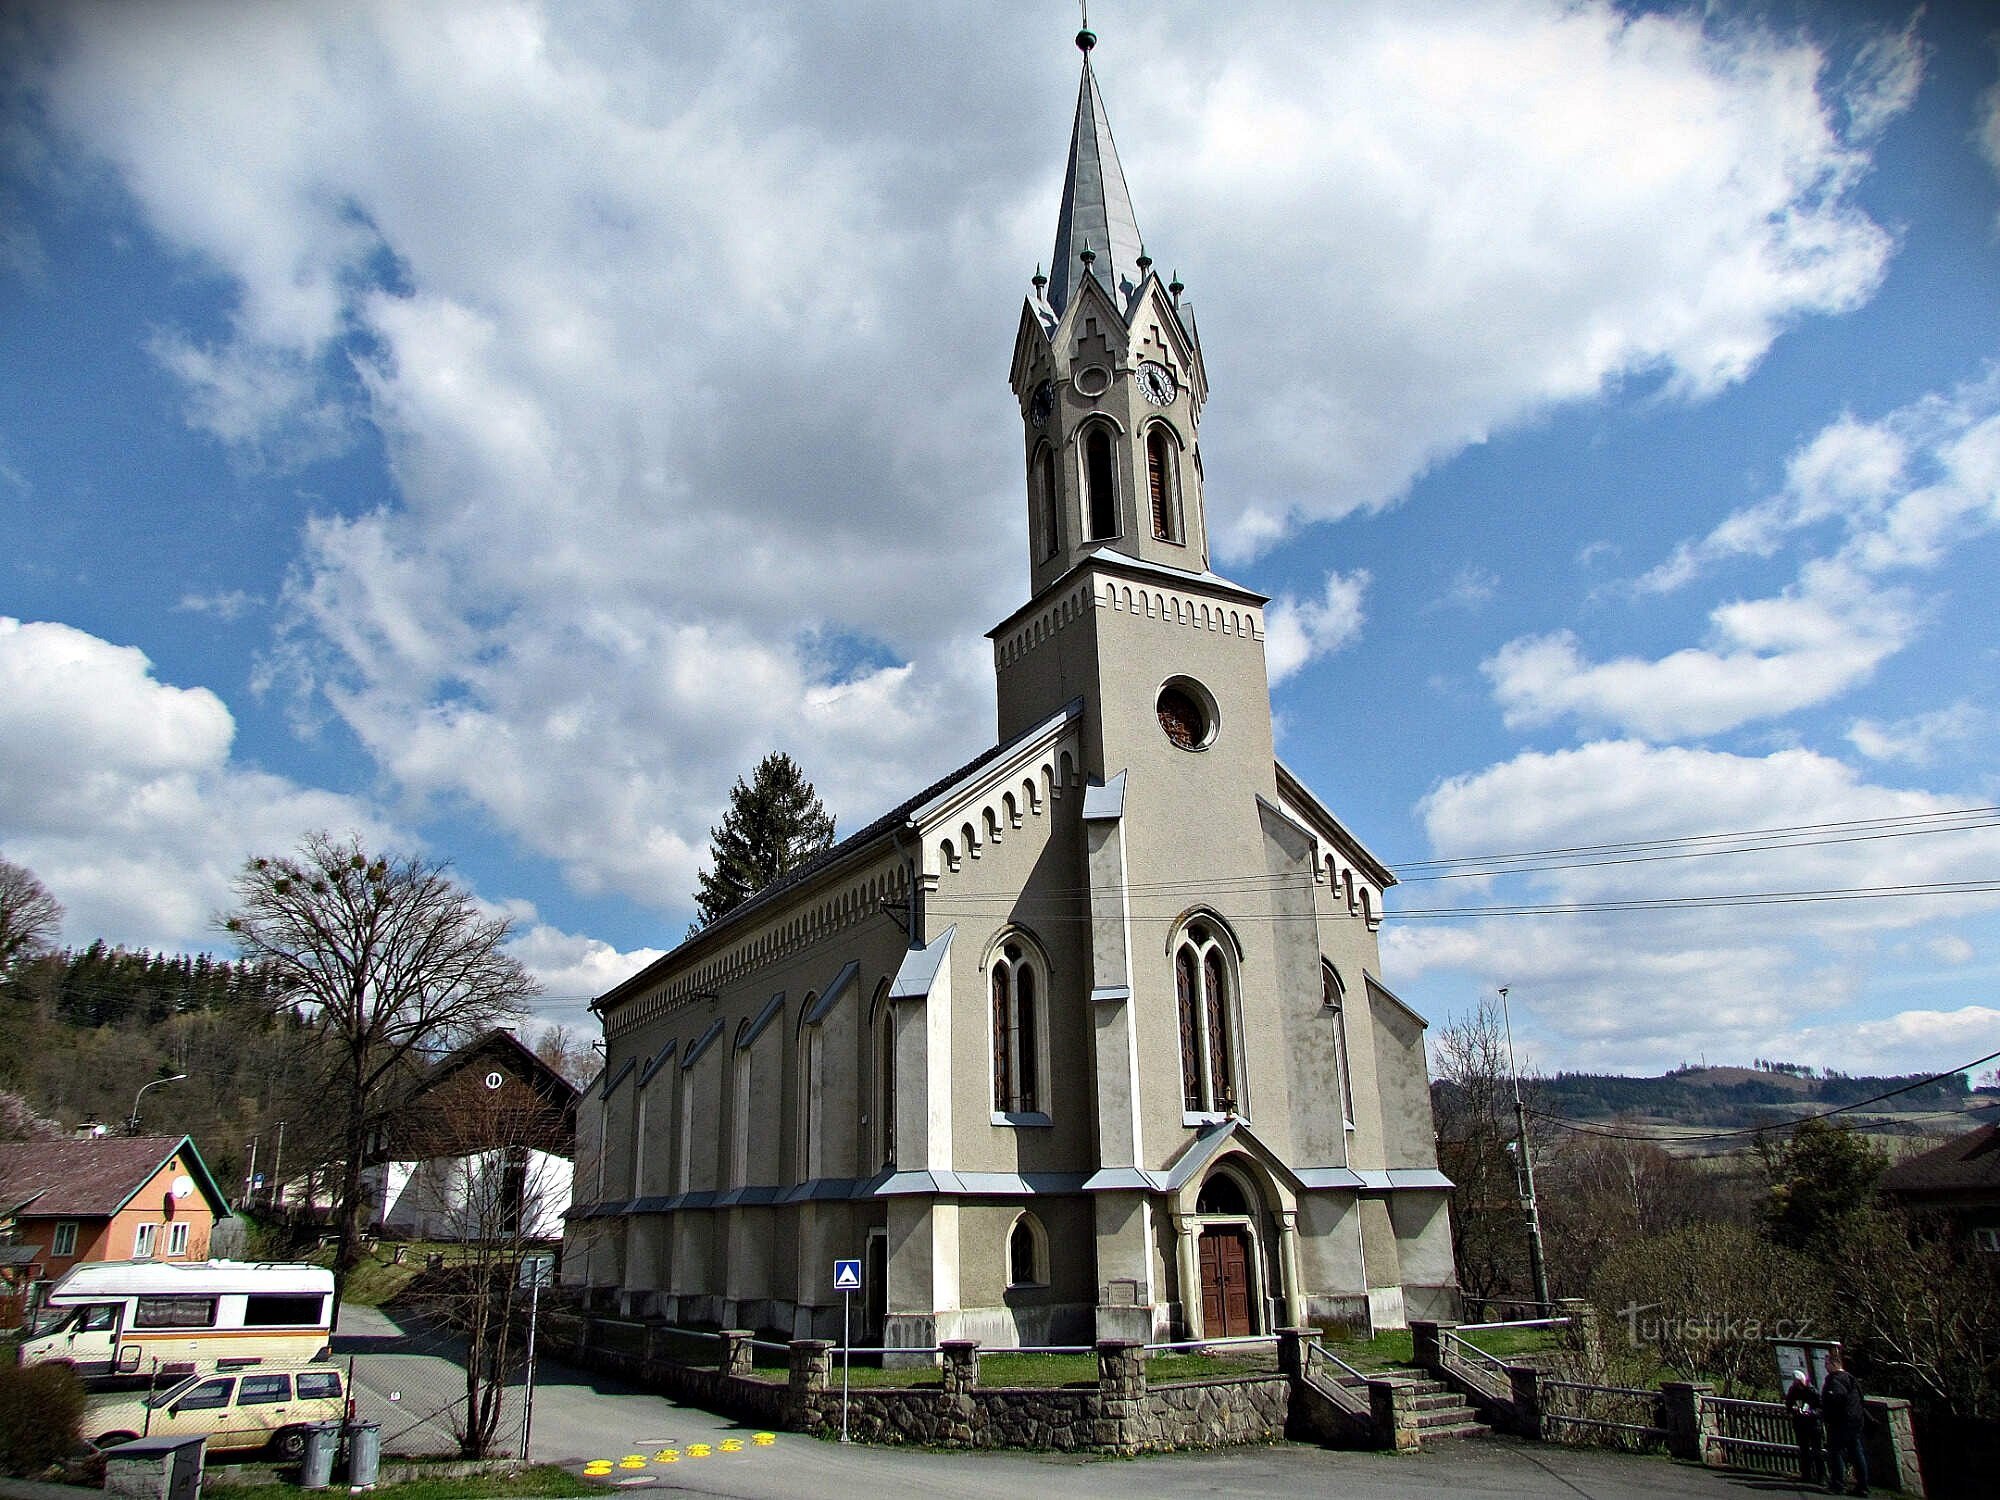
<point>580,1415</point>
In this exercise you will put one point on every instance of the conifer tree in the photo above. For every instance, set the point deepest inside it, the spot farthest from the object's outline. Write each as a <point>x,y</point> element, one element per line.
<point>774,825</point>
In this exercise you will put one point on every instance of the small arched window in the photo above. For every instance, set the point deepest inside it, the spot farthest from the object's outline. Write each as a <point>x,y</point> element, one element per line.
<point>1027,1253</point>
<point>1048,514</point>
<point>1016,988</point>
<point>1203,984</point>
<point>1333,990</point>
<point>1100,484</point>
<point>1162,499</point>
<point>885,1077</point>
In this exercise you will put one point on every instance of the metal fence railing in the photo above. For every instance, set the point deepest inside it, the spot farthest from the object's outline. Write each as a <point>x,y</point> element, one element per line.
<point>1604,1416</point>
<point>1753,1435</point>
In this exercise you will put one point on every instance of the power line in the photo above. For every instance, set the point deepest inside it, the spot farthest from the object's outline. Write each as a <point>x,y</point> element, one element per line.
<point>1680,840</point>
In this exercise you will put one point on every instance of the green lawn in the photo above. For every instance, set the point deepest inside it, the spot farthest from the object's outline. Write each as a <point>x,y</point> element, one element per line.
<point>1392,1349</point>
<point>1046,1370</point>
<point>537,1479</point>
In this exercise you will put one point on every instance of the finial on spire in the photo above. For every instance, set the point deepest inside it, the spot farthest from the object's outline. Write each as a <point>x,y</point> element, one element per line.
<point>1175,288</point>
<point>1086,254</point>
<point>1086,38</point>
<point>1145,260</point>
<point>1039,279</point>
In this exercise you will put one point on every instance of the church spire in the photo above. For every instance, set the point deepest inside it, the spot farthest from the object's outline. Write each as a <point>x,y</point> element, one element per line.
<point>1096,208</point>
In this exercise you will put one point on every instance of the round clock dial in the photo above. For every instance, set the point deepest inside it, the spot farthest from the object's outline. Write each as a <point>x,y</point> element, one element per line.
<point>1041,404</point>
<point>1156,382</point>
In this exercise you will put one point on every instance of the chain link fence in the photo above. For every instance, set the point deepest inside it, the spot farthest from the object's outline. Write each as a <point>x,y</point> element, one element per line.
<point>410,1375</point>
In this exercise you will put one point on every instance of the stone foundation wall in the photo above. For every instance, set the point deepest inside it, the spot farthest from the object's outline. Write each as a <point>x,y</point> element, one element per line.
<point>1123,1413</point>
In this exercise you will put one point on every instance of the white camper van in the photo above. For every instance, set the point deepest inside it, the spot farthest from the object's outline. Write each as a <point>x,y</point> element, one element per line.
<point>146,1318</point>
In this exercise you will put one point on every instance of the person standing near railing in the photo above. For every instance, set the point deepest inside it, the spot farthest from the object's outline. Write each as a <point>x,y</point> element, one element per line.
<point>1841,1408</point>
<point>1802,1402</point>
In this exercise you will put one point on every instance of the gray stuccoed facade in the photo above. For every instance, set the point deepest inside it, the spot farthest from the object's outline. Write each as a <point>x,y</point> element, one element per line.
<point>1090,1039</point>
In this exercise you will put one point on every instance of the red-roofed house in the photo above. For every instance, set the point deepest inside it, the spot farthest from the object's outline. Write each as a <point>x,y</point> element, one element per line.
<point>108,1198</point>
<point>1961,1178</point>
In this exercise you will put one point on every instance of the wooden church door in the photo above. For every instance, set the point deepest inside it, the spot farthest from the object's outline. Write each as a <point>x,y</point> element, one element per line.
<point>1225,1283</point>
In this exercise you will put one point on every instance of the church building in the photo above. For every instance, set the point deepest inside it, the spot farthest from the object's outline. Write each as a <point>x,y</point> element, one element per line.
<point>1088,1039</point>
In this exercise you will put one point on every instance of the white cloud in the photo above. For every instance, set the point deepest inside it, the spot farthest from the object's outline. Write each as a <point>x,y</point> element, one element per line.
<point>1986,131</point>
<point>1904,491</point>
<point>639,304</point>
<point>573,969</point>
<point>1918,739</point>
<point>229,606</point>
<point>122,795</point>
<point>1883,82</point>
<point>1296,631</point>
<point>1768,658</point>
<point>1631,990</point>
<point>1910,1041</point>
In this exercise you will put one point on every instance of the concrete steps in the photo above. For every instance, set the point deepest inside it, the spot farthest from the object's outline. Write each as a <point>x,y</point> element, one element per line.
<point>1441,1411</point>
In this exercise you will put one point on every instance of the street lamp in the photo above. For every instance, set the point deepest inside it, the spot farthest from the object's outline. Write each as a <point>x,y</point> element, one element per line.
<point>132,1120</point>
<point>1537,1266</point>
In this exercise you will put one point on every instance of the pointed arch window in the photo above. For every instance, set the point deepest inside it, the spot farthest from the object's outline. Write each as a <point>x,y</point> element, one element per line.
<point>1027,1252</point>
<point>1163,498</point>
<point>1333,992</point>
<point>1100,486</point>
<point>1016,985</point>
<point>1048,514</point>
<point>1204,983</point>
<point>885,1078</point>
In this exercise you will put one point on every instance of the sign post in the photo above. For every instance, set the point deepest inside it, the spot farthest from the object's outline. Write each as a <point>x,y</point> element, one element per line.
<point>537,1271</point>
<point>846,1281</point>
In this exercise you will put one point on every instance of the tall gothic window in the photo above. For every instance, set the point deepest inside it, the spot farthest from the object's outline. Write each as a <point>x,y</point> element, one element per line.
<point>1047,512</point>
<point>1017,1022</point>
<point>1099,482</point>
<point>885,1078</point>
<point>1160,485</point>
<point>1202,982</point>
<point>1333,992</point>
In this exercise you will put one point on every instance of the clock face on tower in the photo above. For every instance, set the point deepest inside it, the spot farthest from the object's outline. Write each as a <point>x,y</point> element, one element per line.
<point>1156,382</point>
<point>1041,404</point>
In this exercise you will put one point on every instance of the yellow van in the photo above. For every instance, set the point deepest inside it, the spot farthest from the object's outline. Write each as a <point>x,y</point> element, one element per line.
<point>258,1408</point>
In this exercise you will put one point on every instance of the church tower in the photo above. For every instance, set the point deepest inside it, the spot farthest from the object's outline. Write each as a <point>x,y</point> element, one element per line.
<point>1107,368</point>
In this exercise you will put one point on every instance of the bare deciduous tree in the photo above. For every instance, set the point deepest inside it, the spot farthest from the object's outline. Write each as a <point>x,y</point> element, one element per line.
<point>391,957</point>
<point>1474,1108</point>
<point>29,916</point>
<point>494,1179</point>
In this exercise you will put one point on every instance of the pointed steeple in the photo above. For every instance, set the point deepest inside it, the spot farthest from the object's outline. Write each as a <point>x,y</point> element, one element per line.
<point>1096,208</point>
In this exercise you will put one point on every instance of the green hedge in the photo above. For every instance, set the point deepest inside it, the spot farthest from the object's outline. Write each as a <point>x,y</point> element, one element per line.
<point>41,1408</point>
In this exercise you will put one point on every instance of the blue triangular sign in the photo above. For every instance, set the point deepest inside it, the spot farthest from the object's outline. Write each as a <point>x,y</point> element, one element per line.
<point>847,1276</point>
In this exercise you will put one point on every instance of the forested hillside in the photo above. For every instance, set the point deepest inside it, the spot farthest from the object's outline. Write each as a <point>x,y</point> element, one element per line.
<point>84,1031</point>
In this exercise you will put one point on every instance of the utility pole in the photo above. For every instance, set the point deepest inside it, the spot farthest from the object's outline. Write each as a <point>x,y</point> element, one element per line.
<point>1537,1267</point>
<point>250,1176</point>
<point>277,1194</point>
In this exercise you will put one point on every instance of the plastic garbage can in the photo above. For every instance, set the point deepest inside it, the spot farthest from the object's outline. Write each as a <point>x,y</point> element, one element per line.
<point>322,1443</point>
<point>364,1454</point>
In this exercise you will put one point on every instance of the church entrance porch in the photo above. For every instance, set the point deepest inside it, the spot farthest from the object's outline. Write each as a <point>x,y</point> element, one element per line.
<point>1225,1282</point>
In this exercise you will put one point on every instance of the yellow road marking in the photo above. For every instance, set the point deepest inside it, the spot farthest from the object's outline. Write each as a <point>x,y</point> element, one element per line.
<point>765,1439</point>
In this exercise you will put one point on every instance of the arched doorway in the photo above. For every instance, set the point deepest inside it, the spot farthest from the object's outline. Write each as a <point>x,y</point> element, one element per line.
<point>1226,1259</point>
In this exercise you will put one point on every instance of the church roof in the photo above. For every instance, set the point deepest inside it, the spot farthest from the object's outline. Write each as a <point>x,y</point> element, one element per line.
<point>853,845</point>
<point>1096,208</point>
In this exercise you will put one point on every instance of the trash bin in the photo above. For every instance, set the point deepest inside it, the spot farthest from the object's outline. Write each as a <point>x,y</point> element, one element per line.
<point>322,1443</point>
<point>364,1454</point>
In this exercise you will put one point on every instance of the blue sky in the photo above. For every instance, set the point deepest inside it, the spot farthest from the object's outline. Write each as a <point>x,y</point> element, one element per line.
<point>492,427</point>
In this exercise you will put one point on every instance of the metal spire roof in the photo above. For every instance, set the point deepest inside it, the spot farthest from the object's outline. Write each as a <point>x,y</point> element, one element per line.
<point>1096,208</point>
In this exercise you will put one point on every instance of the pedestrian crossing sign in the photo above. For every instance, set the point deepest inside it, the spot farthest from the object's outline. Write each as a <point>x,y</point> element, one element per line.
<point>847,1276</point>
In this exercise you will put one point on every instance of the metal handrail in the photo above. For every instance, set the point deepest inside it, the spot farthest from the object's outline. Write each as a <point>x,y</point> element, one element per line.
<point>1449,1338</point>
<point>1525,1323</point>
<point>1235,1338</point>
<point>1333,1390</point>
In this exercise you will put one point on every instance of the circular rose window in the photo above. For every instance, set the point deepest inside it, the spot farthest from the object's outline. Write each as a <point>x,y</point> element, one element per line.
<point>1187,714</point>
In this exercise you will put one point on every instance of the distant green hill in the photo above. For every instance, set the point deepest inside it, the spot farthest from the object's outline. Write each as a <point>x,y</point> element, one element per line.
<point>1736,1097</point>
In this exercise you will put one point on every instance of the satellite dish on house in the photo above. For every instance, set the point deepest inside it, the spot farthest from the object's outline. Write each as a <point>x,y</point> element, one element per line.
<point>183,1187</point>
